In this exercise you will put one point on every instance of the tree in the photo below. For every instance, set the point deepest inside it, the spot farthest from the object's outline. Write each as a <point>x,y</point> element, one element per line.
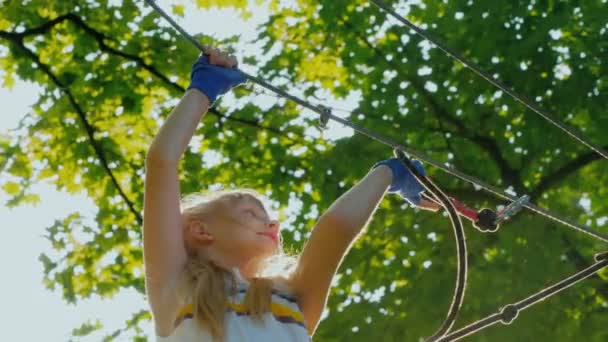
<point>111,74</point>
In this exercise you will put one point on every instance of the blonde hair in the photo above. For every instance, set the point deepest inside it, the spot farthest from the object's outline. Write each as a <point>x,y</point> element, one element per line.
<point>205,283</point>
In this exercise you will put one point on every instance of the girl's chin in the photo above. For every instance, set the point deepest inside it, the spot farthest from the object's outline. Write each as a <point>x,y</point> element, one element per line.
<point>269,245</point>
<point>268,238</point>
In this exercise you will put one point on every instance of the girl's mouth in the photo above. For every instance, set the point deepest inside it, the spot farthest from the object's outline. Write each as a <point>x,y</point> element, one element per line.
<point>273,236</point>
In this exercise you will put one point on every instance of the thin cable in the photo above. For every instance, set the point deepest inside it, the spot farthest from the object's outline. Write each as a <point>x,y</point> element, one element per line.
<point>395,145</point>
<point>175,25</point>
<point>476,182</point>
<point>493,80</point>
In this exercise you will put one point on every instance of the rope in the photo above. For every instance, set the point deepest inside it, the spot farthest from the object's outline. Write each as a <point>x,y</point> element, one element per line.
<point>387,141</point>
<point>493,80</point>
<point>461,246</point>
<point>510,312</point>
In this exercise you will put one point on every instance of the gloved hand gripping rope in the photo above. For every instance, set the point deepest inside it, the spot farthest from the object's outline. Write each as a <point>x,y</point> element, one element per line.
<point>410,181</point>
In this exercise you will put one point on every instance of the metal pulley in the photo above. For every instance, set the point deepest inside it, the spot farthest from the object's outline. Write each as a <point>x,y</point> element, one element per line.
<point>489,221</point>
<point>324,118</point>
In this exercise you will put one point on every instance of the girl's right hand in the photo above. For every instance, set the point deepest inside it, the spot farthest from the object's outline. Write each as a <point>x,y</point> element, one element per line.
<point>217,57</point>
<point>215,73</point>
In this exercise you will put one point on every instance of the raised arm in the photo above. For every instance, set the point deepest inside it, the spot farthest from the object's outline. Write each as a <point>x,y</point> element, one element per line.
<point>336,230</point>
<point>164,250</point>
<point>175,134</point>
<point>212,75</point>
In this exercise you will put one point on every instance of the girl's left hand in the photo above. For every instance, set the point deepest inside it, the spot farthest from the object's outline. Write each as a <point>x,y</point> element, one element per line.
<point>404,182</point>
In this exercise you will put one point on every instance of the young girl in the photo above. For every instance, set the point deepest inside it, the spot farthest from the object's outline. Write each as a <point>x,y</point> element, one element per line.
<point>209,258</point>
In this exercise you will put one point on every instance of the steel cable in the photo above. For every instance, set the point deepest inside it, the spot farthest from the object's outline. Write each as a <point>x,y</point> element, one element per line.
<point>387,141</point>
<point>493,80</point>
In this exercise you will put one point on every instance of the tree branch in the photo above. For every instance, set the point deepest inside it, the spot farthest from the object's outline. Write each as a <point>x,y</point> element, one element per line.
<point>562,172</point>
<point>100,38</point>
<point>42,29</point>
<point>89,129</point>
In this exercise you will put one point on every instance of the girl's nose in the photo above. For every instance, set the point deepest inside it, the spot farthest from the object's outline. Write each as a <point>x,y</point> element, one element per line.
<point>274,225</point>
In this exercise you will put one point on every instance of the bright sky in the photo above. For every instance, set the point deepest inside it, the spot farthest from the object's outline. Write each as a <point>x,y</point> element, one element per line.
<point>24,299</point>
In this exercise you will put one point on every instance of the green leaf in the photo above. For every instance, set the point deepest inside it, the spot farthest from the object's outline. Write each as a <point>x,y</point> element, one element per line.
<point>178,9</point>
<point>11,188</point>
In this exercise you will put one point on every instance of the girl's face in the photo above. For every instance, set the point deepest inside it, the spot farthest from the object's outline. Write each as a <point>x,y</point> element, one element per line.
<point>242,230</point>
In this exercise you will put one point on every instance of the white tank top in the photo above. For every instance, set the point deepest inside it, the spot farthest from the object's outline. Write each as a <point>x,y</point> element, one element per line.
<point>285,322</point>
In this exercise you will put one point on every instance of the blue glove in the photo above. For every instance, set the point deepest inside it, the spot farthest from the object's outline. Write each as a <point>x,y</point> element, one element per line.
<point>404,183</point>
<point>214,80</point>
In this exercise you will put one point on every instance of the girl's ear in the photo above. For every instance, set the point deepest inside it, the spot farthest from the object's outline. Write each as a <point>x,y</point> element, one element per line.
<point>199,232</point>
